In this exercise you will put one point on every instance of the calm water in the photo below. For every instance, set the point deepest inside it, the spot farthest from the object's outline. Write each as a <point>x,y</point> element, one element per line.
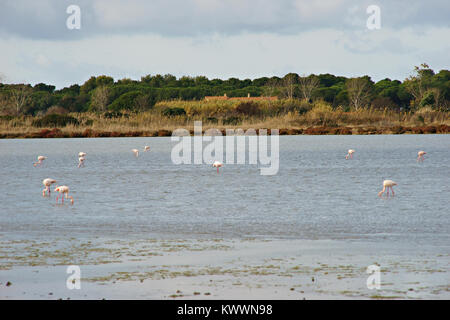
<point>316,194</point>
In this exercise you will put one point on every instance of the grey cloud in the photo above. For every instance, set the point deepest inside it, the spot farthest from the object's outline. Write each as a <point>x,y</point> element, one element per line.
<point>46,19</point>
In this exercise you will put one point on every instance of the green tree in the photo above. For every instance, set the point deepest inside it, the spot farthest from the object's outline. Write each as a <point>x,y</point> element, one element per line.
<point>418,83</point>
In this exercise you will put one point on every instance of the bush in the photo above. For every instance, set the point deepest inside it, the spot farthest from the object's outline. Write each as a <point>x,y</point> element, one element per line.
<point>7,118</point>
<point>231,120</point>
<point>170,112</point>
<point>248,108</point>
<point>114,114</point>
<point>398,130</point>
<point>54,133</point>
<point>56,110</point>
<point>211,120</point>
<point>55,120</point>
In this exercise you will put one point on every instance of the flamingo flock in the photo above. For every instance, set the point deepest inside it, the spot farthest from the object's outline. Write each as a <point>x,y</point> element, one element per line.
<point>63,191</point>
<point>387,184</point>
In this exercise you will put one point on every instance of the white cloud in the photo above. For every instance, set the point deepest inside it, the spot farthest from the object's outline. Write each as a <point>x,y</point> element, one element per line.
<point>248,55</point>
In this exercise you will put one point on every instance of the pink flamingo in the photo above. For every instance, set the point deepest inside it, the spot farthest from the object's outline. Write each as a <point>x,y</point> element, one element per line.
<point>420,155</point>
<point>136,152</point>
<point>386,185</point>
<point>40,159</point>
<point>350,154</point>
<point>47,183</point>
<point>63,191</point>
<point>217,164</point>
<point>146,148</point>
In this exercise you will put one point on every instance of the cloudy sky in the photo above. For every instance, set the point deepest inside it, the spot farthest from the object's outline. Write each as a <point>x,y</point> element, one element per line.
<point>219,38</point>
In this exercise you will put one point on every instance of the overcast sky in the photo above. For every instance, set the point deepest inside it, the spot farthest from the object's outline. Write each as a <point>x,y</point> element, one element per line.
<point>219,38</point>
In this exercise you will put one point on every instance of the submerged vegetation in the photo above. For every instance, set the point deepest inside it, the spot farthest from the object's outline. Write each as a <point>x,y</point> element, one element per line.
<point>156,105</point>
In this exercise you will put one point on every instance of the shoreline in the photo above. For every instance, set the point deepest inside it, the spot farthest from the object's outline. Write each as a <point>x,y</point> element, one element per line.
<point>318,130</point>
<point>227,269</point>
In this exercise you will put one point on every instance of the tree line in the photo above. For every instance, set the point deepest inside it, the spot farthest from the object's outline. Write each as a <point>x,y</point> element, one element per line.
<point>102,94</point>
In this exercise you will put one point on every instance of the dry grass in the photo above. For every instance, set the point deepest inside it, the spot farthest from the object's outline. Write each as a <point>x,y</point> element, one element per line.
<point>283,115</point>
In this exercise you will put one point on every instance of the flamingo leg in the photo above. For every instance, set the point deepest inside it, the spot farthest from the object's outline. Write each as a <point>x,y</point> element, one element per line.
<point>392,191</point>
<point>217,169</point>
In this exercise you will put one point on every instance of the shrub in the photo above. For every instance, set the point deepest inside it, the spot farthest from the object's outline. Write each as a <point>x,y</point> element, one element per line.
<point>56,110</point>
<point>231,120</point>
<point>113,114</point>
<point>164,133</point>
<point>55,120</point>
<point>54,133</point>
<point>248,108</point>
<point>211,119</point>
<point>398,130</point>
<point>7,117</point>
<point>429,129</point>
<point>176,111</point>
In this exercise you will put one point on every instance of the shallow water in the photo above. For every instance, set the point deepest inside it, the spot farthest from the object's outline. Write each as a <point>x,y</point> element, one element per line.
<point>317,194</point>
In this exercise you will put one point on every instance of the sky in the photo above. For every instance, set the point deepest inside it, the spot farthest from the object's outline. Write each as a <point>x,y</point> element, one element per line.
<point>219,38</point>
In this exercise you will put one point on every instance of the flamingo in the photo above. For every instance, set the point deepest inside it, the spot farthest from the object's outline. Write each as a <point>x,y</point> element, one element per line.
<point>387,184</point>
<point>420,155</point>
<point>350,154</point>
<point>47,183</point>
<point>146,148</point>
<point>217,164</point>
<point>81,161</point>
<point>63,190</point>
<point>81,154</point>
<point>40,159</point>
<point>136,152</point>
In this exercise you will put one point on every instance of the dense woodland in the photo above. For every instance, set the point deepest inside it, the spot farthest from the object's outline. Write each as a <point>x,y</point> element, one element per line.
<point>102,94</point>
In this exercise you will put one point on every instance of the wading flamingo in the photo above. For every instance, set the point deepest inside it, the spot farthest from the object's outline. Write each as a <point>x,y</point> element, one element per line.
<point>63,191</point>
<point>136,152</point>
<point>420,155</point>
<point>47,183</point>
<point>146,148</point>
<point>387,184</point>
<point>350,154</point>
<point>81,161</point>
<point>40,159</point>
<point>217,164</point>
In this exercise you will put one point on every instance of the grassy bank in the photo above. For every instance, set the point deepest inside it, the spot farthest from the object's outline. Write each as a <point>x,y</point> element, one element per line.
<point>290,117</point>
